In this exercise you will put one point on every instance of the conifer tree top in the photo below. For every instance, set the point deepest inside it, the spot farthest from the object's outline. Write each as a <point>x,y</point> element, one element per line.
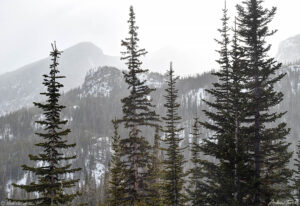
<point>51,182</point>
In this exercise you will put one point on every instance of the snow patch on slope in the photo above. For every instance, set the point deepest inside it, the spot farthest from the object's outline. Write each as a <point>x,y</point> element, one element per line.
<point>196,95</point>
<point>6,134</point>
<point>99,82</point>
<point>22,181</point>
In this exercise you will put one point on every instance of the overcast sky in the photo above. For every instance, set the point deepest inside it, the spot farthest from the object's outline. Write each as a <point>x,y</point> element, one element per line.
<point>28,26</point>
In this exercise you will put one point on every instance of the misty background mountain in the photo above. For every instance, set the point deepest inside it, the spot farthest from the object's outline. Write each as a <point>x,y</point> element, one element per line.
<point>23,86</point>
<point>289,50</point>
<point>92,93</point>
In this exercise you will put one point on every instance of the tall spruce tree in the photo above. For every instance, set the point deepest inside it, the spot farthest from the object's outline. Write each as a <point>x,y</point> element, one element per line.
<point>269,147</point>
<point>219,145</point>
<point>227,177</point>
<point>173,177</point>
<point>51,183</point>
<point>116,187</point>
<point>196,190</point>
<point>238,107</point>
<point>138,111</point>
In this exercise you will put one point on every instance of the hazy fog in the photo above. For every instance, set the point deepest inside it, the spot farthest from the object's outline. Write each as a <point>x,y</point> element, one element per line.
<point>186,26</point>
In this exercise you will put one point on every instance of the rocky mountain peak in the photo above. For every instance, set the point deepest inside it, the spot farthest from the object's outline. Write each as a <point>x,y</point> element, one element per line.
<point>289,50</point>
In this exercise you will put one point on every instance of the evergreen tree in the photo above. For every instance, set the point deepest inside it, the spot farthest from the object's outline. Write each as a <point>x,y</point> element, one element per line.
<point>116,191</point>
<point>173,178</point>
<point>197,190</point>
<point>138,111</point>
<point>268,137</point>
<point>51,182</point>
<point>227,177</point>
<point>154,181</point>
<point>219,145</point>
<point>224,60</point>
<point>237,108</point>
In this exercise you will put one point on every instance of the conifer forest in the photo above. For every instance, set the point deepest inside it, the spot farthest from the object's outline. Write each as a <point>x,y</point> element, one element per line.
<point>123,135</point>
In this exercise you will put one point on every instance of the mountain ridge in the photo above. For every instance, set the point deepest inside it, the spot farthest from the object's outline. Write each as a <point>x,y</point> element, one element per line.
<point>289,50</point>
<point>21,87</point>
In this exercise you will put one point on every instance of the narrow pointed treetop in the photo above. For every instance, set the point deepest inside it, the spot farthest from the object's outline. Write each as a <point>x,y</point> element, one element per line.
<point>138,111</point>
<point>137,107</point>
<point>173,177</point>
<point>269,146</point>
<point>51,184</point>
<point>225,178</point>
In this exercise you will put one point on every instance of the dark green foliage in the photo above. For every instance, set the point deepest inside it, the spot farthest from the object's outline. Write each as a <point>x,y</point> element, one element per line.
<point>250,149</point>
<point>197,188</point>
<point>221,174</point>
<point>51,185</point>
<point>173,176</point>
<point>116,191</point>
<point>223,61</point>
<point>227,177</point>
<point>138,111</point>
<point>268,137</point>
<point>238,130</point>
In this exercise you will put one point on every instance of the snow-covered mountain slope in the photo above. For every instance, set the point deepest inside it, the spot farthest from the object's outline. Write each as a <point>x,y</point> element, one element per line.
<point>289,50</point>
<point>101,82</point>
<point>22,86</point>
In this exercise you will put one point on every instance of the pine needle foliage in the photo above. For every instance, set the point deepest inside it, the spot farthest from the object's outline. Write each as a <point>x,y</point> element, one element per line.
<point>173,177</point>
<point>51,184</point>
<point>227,176</point>
<point>268,135</point>
<point>196,189</point>
<point>116,187</point>
<point>138,112</point>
